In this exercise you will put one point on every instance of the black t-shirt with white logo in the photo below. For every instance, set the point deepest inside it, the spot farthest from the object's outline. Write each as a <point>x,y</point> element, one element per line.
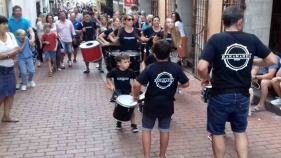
<point>122,79</point>
<point>162,79</point>
<point>150,59</point>
<point>149,33</point>
<point>90,33</point>
<point>168,36</point>
<point>128,41</point>
<point>106,33</point>
<point>231,55</point>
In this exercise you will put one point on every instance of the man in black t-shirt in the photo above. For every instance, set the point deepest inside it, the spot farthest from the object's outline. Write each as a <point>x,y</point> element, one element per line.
<point>122,76</point>
<point>88,29</point>
<point>162,78</point>
<point>231,54</point>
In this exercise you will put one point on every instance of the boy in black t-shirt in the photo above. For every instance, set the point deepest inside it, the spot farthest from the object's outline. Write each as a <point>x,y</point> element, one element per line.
<point>122,76</point>
<point>163,77</point>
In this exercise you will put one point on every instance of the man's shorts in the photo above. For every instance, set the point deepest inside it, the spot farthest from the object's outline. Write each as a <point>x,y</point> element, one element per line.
<point>163,123</point>
<point>233,108</point>
<point>50,55</point>
<point>67,47</point>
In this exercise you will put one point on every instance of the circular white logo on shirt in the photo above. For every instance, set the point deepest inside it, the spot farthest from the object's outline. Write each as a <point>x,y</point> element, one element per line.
<point>164,80</point>
<point>236,57</point>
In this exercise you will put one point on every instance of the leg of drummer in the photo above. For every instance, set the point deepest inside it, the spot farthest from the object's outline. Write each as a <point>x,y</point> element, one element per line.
<point>100,66</point>
<point>133,123</point>
<point>87,68</point>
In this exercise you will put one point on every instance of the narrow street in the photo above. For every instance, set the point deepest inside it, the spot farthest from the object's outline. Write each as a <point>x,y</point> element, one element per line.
<point>69,115</point>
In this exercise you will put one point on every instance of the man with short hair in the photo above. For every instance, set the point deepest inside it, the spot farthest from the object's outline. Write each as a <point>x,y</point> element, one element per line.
<point>76,43</point>
<point>232,56</point>
<point>16,22</point>
<point>66,34</point>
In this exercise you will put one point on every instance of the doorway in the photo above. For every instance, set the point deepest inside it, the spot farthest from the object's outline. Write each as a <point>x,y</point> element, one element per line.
<point>275,28</point>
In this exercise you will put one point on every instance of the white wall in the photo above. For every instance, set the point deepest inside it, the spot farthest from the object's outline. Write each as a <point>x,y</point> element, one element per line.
<point>28,8</point>
<point>185,10</point>
<point>258,18</point>
<point>145,5</point>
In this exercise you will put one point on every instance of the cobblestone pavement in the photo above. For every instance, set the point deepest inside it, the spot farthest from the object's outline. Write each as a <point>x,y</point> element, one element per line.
<point>69,115</point>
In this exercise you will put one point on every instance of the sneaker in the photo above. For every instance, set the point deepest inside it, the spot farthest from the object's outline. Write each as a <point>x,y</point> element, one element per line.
<point>112,100</point>
<point>39,64</point>
<point>59,69</point>
<point>86,71</point>
<point>62,66</point>
<point>31,84</point>
<point>119,125</point>
<point>23,87</point>
<point>74,61</point>
<point>100,70</point>
<point>97,66</point>
<point>134,128</point>
<point>70,63</point>
<point>276,101</point>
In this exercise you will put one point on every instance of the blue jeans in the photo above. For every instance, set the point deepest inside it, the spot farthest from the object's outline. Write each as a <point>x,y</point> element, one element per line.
<point>233,108</point>
<point>26,64</point>
<point>67,46</point>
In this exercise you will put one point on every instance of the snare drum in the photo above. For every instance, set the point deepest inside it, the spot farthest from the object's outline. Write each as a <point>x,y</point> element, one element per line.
<point>135,59</point>
<point>205,94</point>
<point>124,108</point>
<point>91,51</point>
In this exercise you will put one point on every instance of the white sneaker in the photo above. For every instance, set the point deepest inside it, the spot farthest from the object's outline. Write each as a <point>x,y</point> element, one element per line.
<point>276,101</point>
<point>59,69</point>
<point>31,84</point>
<point>23,87</point>
<point>62,66</point>
<point>39,64</point>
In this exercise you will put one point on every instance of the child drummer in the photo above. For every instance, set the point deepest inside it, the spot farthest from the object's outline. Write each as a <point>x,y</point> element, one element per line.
<point>163,77</point>
<point>122,76</point>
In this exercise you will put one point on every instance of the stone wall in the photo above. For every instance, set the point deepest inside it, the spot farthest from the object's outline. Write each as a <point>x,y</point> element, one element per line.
<point>258,18</point>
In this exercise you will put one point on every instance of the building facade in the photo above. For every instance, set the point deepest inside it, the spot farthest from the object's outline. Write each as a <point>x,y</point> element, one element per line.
<point>202,19</point>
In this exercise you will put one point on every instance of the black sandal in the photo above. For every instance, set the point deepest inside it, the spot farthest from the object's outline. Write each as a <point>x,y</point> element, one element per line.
<point>101,70</point>
<point>87,71</point>
<point>74,61</point>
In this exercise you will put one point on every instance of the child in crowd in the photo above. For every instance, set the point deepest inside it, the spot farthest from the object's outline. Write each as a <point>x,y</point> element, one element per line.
<point>122,76</point>
<point>25,60</point>
<point>163,77</point>
<point>50,49</point>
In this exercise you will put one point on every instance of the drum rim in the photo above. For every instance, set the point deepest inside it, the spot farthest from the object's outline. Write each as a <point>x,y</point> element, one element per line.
<point>89,47</point>
<point>136,103</point>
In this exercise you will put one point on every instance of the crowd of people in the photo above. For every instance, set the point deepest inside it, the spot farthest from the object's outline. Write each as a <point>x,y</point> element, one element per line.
<point>160,52</point>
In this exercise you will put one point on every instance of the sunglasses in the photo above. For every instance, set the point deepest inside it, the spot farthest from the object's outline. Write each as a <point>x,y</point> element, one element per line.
<point>129,19</point>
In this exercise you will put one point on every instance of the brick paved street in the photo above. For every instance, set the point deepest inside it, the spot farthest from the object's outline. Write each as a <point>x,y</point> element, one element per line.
<point>69,115</point>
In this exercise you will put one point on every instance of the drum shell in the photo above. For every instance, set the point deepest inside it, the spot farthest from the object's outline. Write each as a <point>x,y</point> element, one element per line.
<point>122,113</point>
<point>91,54</point>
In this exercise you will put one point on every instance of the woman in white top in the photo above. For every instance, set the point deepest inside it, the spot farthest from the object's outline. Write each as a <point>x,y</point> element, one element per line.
<point>50,21</point>
<point>179,25</point>
<point>9,50</point>
<point>40,31</point>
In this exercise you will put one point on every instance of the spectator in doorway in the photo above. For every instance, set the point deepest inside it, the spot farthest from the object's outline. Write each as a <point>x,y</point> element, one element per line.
<point>265,75</point>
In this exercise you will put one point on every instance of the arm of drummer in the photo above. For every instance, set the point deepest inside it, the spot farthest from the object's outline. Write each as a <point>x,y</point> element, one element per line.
<point>111,37</point>
<point>108,80</point>
<point>136,90</point>
<point>102,40</point>
<point>155,39</point>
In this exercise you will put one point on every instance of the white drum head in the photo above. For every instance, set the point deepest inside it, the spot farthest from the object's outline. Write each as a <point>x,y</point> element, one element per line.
<point>89,44</point>
<point>126,101</point>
